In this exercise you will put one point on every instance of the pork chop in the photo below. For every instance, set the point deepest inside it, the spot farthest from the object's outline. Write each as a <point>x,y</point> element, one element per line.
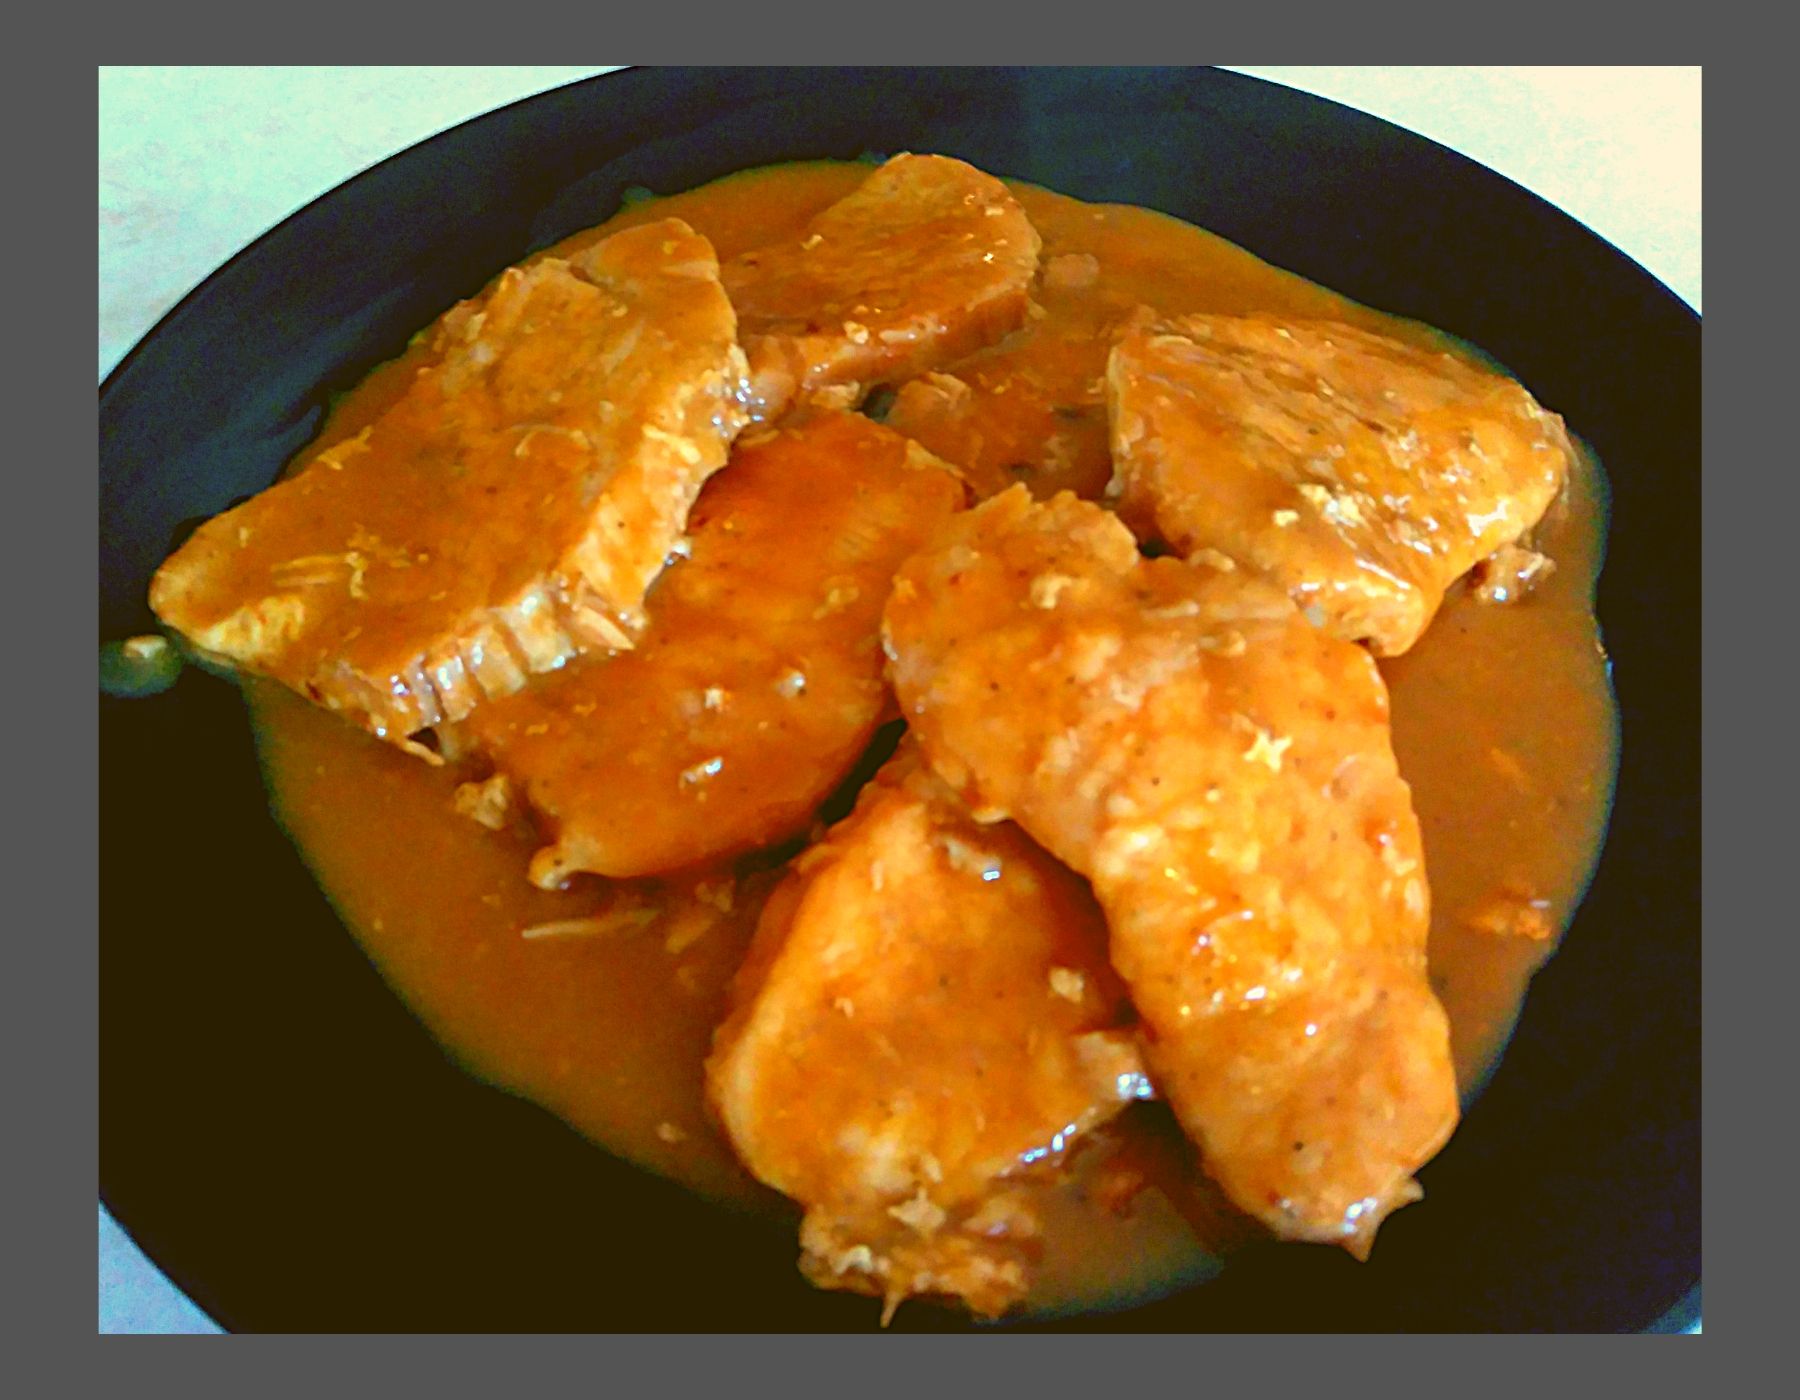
<point>1222,771</point>
<point>926,261</point>
<point>1361,474</point>
<point>758,683</point>
<point>505,514</point>
<point>925,1025</point>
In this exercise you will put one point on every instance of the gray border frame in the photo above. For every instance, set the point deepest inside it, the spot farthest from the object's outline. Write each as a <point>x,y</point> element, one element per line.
<point>49,1101</point>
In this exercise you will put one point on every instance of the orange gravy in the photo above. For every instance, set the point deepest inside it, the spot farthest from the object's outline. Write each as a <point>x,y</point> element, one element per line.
<point>1504,724</point>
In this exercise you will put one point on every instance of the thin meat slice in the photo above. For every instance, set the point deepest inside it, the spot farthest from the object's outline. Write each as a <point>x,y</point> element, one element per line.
<point>1222,771</point>
<point>1362,475</point>
<point>1024,412</point>
<point>506,513</point>
<point>927,261</point>
<point>1032,409</point>
<point>758,683</point>
<point>923,1028</point>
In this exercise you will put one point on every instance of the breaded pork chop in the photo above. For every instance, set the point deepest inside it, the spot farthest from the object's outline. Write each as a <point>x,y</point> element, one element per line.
<point>758,683</point>
<point>927,260</point>
<point>1362,475</point>
<point>508,512</point>
<point>1222,771</point>
<point>924,1024</point>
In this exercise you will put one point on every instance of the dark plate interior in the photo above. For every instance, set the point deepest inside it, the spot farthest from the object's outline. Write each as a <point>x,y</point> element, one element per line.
<point>283,1138</point>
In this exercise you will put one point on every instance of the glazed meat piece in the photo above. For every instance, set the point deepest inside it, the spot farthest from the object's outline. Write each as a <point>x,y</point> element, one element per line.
<point>923,1026</point>
<point>507,513</point>
<point>1017,416</point>
<point>1222,771</point>
<point>928,260</point>
<point>1031,409</point>
<point>1362,475</point>
<point>759,681</point>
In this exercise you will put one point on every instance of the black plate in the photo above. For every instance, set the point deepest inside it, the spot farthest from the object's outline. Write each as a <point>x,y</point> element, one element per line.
<point>282,1137</point>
